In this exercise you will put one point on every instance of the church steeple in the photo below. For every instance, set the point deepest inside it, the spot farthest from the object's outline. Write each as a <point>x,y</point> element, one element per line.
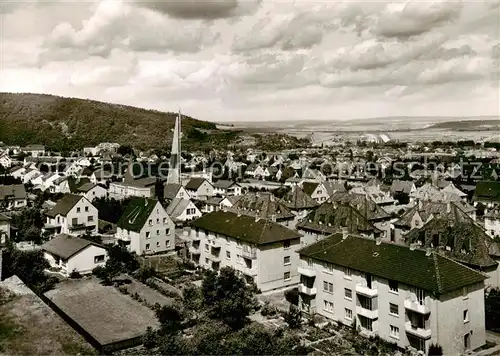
<point>174,172</point>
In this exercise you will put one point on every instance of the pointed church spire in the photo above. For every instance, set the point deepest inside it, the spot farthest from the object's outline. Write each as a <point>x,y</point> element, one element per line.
<point>174,173</point>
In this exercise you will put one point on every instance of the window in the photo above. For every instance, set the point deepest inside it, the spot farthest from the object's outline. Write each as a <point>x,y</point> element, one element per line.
<point>365,323</point>
<point>206,261</point>
<point>157,232</point>
<point>328,287</point>
<point>228,255</point>
<point>465,292</point>
<point>348,314</point>
<point>86,209</point>
<point>206,247</point>
<point>395,332</point>
<point>148,234</point>
<point>167,243</point>
<point>466,316</point>
<point>286,244</point>
<point>167,231</point>
<point>90,218</point>
<point>347,273</point>
<point>348,293</point>
<point>157,243</point>
<point>328,306</point>
<point>393,286</point>
<point>157,220</point>
<point>164,220</point>
<point>148,247</point>
<point>286,260</point>
<point>393,309</point>
<point>150,222</point>
<point>286,276</point>
<point>227,240</point>
<point>238,244</point>
<point>78,210</point>
<point>98,259</point>
<point>74,221</point>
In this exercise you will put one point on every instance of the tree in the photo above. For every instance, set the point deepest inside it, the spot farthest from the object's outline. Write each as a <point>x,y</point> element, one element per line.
<point>170,318</point>
<point>492,309</point>
<point>227,297</point>
<point>125,150</point>
<point>435,350</point>
<point>293,317</point>
<point>192,298</point>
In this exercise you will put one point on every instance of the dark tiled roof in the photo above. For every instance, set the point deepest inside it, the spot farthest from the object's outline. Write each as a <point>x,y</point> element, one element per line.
<point>431,272</point>
<point>263,205</point>
<point>86,187</point>
<point>366,207</point>
<point>136,214</point>
<point>296,199</point>
<point>244,228</point>
<point>309,187</point>
<point>75,183</point>
<point>64,205</point>
<point>331,217</point>
<point>194,183</point>
<point>66,246</point>
<point>170,190</point>
<point>403,186</point>
<point>224,184</point>
<point>467,242</point>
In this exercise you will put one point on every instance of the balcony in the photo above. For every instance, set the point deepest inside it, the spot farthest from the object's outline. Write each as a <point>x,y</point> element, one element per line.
<point>214,258</point>
<point>249,253</point>
<point>416,331</point>
<point>76,227</point>
<point>248,271</point>
<point>367,313</point>
<point>367,292</point>
<point>307,271</point>
<point>305,290</point>
<point>417,307</point>
<point>194,250</point>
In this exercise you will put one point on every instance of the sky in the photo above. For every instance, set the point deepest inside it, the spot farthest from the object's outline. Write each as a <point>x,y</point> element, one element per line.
<point>259,60</point>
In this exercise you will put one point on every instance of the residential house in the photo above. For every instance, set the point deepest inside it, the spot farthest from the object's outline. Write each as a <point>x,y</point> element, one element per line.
<point>403,187</point>
<point>48,181</point>
<point>487,193</point>
<point>181,210</point>
<point>73,215</point>
<point>174,191</point>
<point>58,185</point>
<point>13,196</point>
<point>4,229</point>
<point>92,191</point>
<point>262,251</point>
<point>492,222</point>
<point>73,254</point>
<point>199,188</point>
<point>143,187</point>
<point>216,204</point>
<point>31,175</point>
<point>313,175</point>
<point>264,205</point>
<point>34,150</point>
<point>316,190</point>
<point>226,188</point>
<point>17,172</point>
<point>298,202</point>
<point>146,228</point>
<point>405,296</point>
<point>5,160</point>
<point>101,175</point>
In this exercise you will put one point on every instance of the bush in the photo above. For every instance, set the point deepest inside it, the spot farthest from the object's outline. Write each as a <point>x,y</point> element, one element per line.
<point>75,274</point>
<point>293,317</point>
<point>268,310</point>
<point>435,350</point>
<point>123,289</point>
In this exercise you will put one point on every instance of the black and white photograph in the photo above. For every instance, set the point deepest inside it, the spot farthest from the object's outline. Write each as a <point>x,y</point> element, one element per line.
<point>250,177</point>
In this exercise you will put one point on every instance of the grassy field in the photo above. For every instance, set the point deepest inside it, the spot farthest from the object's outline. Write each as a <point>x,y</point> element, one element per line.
<point>29,327</point>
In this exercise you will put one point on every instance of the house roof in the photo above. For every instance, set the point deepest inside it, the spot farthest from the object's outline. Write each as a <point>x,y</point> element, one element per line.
<point>429,271</point>
<point>4,217</point>
<point>296,199</point>
<point>245,228</point>
<point>224,184</point>
<point>75,183</point>
<point>401,186</point>
<point>177,206</point>
<point>366,207</point>
<point>309,187</point>
<point>194,183</point>
<point>13,191</point>
<point>263,205</point>
<point>487,191</point>
<point>136,214</point>
<point>332,187</point>
<point>64,205</point>
<point>86,187</point>
<point>466,241</point>
<point>66,246</point>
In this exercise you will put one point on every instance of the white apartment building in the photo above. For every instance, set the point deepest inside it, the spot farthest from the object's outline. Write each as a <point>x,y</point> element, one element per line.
<point>122,190</point>
<point>226,188</point>
<point>146,228</point>
<point>73,215</point>
<point>261,250</point>
<point>199,188</point>
<point>409,297</point>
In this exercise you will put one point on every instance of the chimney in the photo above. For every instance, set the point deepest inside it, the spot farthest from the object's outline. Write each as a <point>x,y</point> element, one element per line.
<point>273,218</point>
<point>412,247</point>
<point>257,218</point>
<point>448,207</point>
<point>428,251</point>
<point>345,233</point>
<point>378,241</point>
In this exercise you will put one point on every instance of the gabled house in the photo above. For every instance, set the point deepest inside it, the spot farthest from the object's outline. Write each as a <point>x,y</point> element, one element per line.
<point>73,215</point>
<point>58,185</point>
<point>404,187</point>
<point>17,172</point>
<point>174,191</point>
<point>316,190</point>
<point>92,191</point>
<point>34,150</point>
<point>73,254</point>
<point>181,210</point>
<point>487,193</point>
<point>199,188</point>
<point>262,251</point>
<point>145,227</point>
<point>226,188</point>
<point>215,204</point>
<point>13,197</point>
<point>5,160</point>
<point>313,175</point>
<point>403,295</point>
<point>298,202</point>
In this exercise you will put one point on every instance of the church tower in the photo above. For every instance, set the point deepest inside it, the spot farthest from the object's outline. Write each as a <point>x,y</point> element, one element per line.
<point>174,172</point>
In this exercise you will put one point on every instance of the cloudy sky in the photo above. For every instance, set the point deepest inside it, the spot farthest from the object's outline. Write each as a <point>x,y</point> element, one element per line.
<point>240,60</point>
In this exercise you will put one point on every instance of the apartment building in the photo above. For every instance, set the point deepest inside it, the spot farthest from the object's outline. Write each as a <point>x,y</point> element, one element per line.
<point>73,215</point>
<point>145,227</point>
<point>261,250</point>
<point>406,296</point>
